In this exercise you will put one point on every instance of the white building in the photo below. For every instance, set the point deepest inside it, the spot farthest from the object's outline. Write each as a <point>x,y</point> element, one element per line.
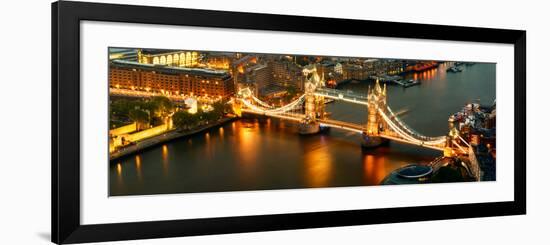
<point>191,103</point>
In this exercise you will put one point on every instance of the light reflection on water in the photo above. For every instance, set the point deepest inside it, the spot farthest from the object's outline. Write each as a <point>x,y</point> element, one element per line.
<point>138,168</point>
<point>165,161</point>
<point>318,166</point>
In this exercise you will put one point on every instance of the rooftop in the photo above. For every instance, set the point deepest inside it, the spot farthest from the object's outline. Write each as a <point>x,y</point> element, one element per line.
<point>122,53</point>
<point>160,51</point>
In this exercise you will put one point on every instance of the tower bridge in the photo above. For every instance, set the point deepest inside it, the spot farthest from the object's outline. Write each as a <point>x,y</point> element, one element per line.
<point>382,124</point>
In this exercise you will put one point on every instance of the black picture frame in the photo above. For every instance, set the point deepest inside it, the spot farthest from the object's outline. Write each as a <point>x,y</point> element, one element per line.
<point>66,18</point>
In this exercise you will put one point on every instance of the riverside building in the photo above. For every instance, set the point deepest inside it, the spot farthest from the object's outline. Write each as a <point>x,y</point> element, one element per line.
<point>170,79</point>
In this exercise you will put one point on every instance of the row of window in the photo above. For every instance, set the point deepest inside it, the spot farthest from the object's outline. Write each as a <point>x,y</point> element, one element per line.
<point>187,59</point>
<point>178,89</point>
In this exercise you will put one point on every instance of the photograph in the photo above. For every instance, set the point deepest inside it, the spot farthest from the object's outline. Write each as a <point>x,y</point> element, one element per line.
<point>194,121</point>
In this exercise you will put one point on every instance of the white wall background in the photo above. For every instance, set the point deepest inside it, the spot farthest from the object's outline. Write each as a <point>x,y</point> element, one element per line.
<point>25,101</point>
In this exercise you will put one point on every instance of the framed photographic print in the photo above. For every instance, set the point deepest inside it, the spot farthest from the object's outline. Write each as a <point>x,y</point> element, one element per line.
<point>175,122</point>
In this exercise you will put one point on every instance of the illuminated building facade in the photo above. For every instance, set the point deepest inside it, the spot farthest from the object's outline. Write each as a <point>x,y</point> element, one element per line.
<point>171,80</point>
<point>384,67</point>
<point>286,73</point>
<point>338,69</point>
<point>260,76</point>
<point>168,57</point>
<point>240,65</point>
<point>219,61</point>
<point>353,71</point>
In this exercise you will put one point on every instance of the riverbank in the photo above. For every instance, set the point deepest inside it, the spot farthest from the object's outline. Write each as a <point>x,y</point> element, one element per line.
<point>165,137</point>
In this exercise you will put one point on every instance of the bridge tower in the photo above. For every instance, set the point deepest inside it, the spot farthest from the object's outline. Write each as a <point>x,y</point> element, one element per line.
<point>448,151</point>
<point>320,100</point>
<point>314,105</point>
<point>310,103</point>
<point>237,104</point>
<point>375,124</point>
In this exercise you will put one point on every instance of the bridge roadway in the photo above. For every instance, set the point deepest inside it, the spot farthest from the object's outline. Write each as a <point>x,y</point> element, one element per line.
<point>288,116</point>
<point>360,129</point>
<point>341,95</point>
<point>340,125</point>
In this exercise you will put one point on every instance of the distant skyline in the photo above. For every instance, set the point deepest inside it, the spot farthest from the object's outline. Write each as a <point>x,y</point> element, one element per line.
<point>112,50</point>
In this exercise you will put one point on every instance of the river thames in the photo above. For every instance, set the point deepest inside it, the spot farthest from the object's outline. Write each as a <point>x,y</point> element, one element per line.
<point>264,154</point>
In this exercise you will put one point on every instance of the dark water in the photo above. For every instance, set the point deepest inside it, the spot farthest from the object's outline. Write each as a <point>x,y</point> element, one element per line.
<point>260,154</point>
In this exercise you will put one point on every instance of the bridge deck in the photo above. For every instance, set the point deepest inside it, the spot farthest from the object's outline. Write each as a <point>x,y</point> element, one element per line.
<point>342,95</point>
<point>400,132</point>
<point>343,125</point>
<point>288,116</point>
<point>360,129</point>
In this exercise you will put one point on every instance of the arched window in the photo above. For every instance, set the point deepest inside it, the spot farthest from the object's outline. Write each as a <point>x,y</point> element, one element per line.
<point>163,60</point>
<point>182,59</point>
<point>156,61</point>
<point>188,59</point>
<point>194,58</point>
<point>176,59</point>
<point>169,59</point>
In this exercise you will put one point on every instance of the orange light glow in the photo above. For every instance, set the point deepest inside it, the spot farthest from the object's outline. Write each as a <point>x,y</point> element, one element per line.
<point>247,151</point>
<point>138,167</point>
<point>165,159</point>
<point>375,169</point>
<point>318,164</point>
<point>164,151</point>
<point>221,132</point>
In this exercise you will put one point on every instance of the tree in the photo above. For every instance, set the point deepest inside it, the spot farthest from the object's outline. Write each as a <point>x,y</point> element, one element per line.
<point>218,110</point>
<point>212,116</point>
<point>184,120</point>
<point>161,106</point>
<point>120,108</point>
<point>200,116</point>
<point>139,116</point>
